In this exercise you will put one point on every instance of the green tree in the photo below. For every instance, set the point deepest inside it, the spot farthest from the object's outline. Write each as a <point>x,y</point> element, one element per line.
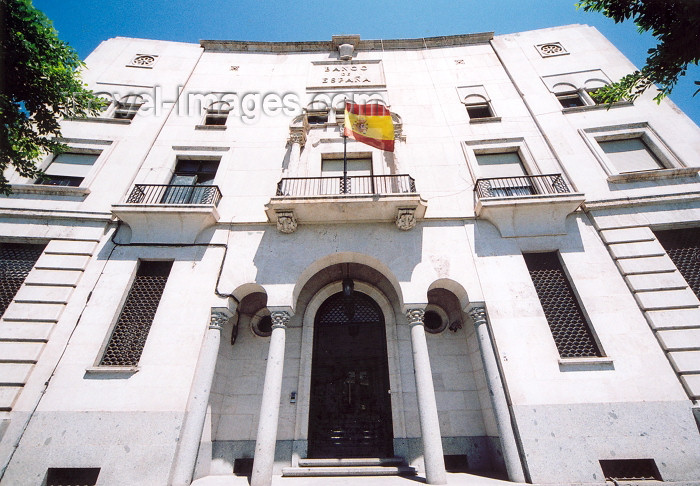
<point>676,26</point>
<point>39,84</point>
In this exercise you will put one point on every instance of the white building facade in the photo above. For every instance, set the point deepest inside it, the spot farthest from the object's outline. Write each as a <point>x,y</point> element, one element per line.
<point>193,290</point>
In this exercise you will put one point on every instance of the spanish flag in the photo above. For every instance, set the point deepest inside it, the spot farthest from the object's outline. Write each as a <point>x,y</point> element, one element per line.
<point>370,124</point>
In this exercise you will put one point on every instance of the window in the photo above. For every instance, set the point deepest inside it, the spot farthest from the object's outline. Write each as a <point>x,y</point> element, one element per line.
<point>72,476</point>
<point>506,173</point>
<point>16,261</point>
<point>217,113</point>
<point>131,330</point>
<point>569,100</point>
<point>477,103</point>
<point>683,247</point>
<point>577,89</point>
<point>481,110</point>
<point>359,175</point>
<point>634,151</point>
<point>317,113</point>
<point>192,182</point>
<point>68,169</point>
<point>630,155</point>
<point>127,107</point>
<point>570,329</point>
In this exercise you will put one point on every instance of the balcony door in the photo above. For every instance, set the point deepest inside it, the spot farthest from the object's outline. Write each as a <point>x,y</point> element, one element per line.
<point>192,182</point>
<point>507,174</point>
<point>359,176</point>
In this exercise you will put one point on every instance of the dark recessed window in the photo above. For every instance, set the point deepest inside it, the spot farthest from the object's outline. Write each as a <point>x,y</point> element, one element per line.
<point>479,111</point>
<point>570,100</point>
<point>317,117</point>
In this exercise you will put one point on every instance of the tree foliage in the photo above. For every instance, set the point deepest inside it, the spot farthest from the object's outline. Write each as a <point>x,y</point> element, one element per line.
<point>676,26</point>
<point>39,84</point>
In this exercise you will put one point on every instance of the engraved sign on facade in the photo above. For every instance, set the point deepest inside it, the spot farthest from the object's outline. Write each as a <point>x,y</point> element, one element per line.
<point>353,74</point>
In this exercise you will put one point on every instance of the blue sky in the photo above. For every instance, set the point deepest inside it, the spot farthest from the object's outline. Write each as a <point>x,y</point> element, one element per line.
<point>84,24</point>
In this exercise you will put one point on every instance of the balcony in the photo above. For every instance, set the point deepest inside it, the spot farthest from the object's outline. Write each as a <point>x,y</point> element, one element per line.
<point>526,205</point>
<point>168,213</point>
<point>345,200</point>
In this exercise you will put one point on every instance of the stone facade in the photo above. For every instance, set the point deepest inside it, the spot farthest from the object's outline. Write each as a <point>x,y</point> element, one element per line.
<point>262,235</point>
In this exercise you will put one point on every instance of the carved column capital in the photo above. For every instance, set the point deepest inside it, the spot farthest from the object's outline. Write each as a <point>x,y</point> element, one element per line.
<point>298,136</point>
<point>406,219</point>
<point>478,314</point>
<point>280,319</point>
<point>219,316</point>
<point>286,222</point>
<point>415,316</point>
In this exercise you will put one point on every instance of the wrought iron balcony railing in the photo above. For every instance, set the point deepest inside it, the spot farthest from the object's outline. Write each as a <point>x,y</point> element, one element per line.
<point>356,185</point>
<point>521,186</point>
<point>174,194</point>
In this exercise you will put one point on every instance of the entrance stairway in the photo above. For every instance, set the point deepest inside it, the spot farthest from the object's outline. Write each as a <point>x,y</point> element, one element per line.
<point>371,466</point>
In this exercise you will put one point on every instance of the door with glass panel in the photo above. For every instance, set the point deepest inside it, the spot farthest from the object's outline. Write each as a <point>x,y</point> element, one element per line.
<point>359,180</point>
<point>504,175</point>
<point>192,182</point>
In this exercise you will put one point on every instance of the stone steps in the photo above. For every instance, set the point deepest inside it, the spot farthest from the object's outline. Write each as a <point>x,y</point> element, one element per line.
<point>371,466</point>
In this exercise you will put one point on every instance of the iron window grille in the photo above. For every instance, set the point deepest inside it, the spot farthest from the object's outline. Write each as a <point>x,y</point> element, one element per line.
<point>630,470</point>
<point>131,330</point>
<point>683,247</point>
<point>16,261</point>
<point>72,476</point>
<point>570,329</point>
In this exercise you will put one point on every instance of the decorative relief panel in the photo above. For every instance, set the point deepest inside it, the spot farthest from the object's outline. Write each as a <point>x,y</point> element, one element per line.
<point>551,49</point>
<point>352,74</point>
<point>143,60</point>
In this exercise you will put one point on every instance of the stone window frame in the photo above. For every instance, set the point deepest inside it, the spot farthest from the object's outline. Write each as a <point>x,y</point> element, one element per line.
<point>102,148</point>
<point>472,148</point>
<point>318,108</point>
<point>602,362</point>
<point>673,166</point>
<point>474,96</point>
<point>134,63</point>
<point>219,113</point>
<point>580,84</point>
<point>126,107</point>
<point>98,367</point>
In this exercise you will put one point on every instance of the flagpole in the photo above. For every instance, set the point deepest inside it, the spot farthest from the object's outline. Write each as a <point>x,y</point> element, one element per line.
<point>345,154</point>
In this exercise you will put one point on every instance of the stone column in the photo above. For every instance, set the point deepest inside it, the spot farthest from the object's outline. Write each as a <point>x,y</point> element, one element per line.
<point>198,401</point>
<point>297,138</point>
<point>427,407</point>
<point>511,455</point>
<point>270,407</point>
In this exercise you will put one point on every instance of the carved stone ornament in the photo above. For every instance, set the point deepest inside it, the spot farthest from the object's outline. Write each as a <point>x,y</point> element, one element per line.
<point>406,219</point>
<point>551,49</point>
<point>280,319</point>
<point>286,222</point>
<point>478,315</point>
<point>218,319</point>
<point>143,60</point>
<point>298,136</point>
<point>415,316</point>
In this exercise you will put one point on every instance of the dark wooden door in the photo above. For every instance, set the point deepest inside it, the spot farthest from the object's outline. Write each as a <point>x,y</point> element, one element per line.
<point>350,412</point>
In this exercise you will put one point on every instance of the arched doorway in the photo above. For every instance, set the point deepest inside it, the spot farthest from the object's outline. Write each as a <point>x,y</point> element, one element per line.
<point>350,407</point>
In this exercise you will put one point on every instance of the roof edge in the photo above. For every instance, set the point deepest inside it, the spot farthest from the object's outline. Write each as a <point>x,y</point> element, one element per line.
<point>363,45</point>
